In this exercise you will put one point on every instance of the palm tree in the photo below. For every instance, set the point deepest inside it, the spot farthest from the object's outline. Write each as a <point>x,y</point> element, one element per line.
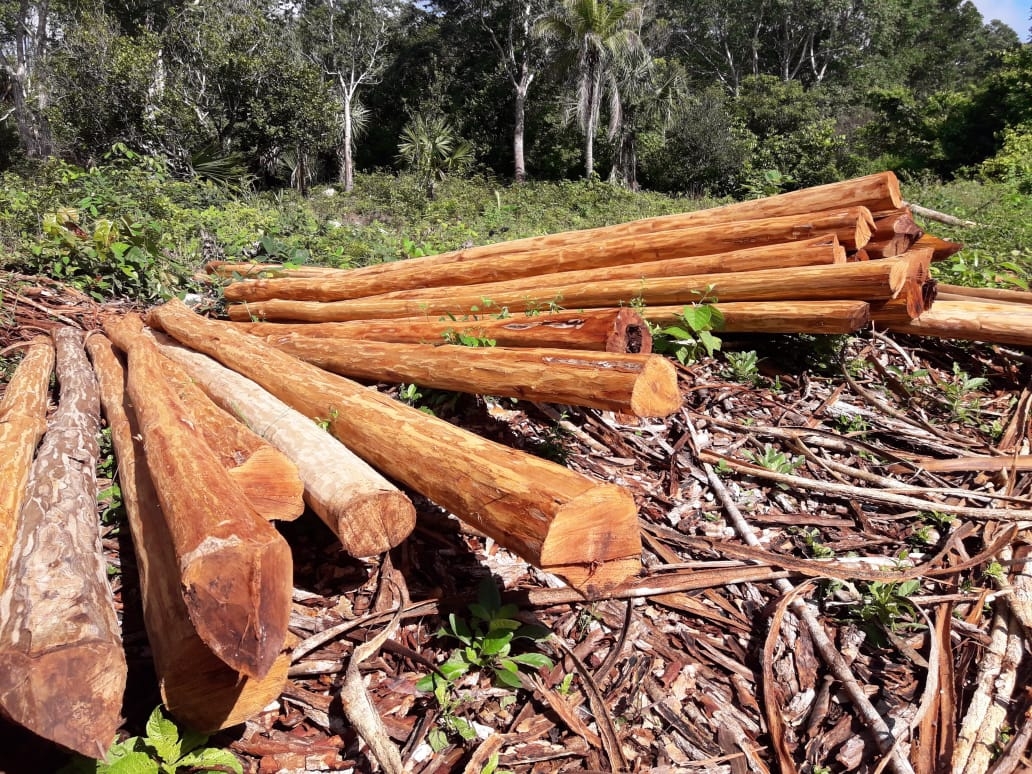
<point>594,35</point>
<point>430,148</point>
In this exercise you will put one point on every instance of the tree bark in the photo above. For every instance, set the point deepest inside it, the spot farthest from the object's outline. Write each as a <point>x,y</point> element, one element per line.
<point>852,227</point>
<point>522,86</point>
<point>267,477</point>
<point>62,668</point>
<point>236,570</point>
<point>861,281</point>
<point>642,385</point>
<point>992,322</point>
<point>961,293</point>
<point>776,316</point>
<point>196,686</point>
<point>23,420</point>
<point>604,330</point>
<point>557,519</point>
<point>367,512</point>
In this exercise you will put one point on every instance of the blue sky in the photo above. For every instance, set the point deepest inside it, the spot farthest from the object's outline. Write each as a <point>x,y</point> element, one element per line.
<point>1014,13</point>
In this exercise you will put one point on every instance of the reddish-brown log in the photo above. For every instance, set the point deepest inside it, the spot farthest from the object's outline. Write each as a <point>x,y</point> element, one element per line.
<point>233,271</point>
<point>911,303</point>
<point>994,322</point>
<point>23,420</point>
<point>642,385</point>
<point>561,521</point>
<point>196,686</point>
<point>62,667</point>
<point>236,569</point>
<point>605,330</point>
<point>859,281</point>
<point>852,226</point>
<point>962,293</point>
<point>941,248</point>
<point>776,316</point>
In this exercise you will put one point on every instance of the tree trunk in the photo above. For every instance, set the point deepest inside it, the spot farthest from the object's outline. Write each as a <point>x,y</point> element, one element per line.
<point>236,570</point>
<point>234,271</point>
<point>557,519</point>
<point>993,322</point>
<point>911,302</point>
<point>267,477</point>
<point>520,126</point>
<point>368,513</point>
<point>780,236</point>
<point>642,385</point>
<point>776,316</point>
<point>942,249</point>
<point>961,293</point>
<point>23,420</point>
<point>62,668</point>
<point>860,281</point>
<point>604,330</point>
<point>347,170</point>
<point>197,687</point>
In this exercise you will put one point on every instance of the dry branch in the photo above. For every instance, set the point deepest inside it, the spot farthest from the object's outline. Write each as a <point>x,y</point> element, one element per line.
<point>642,385</point>
<point>557,519</point>
<point>607,330</point>
<point>197,687</point>
<point>62,669</point>
<point>23,420</point>
<point>368,513</point>
<point>236,570</point>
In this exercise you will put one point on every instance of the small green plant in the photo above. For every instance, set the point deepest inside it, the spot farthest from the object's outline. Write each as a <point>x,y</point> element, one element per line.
<point>693,336</point>
<point>324,422</point>
<point>744,366</point>
<point>487,642</point>
<point>164,750</point>
<point>964,406</point>
<point>812,538</point>
<point>887,605</point>
<point>409,394</point>
<point>468,338</point>
<point>774,459</point>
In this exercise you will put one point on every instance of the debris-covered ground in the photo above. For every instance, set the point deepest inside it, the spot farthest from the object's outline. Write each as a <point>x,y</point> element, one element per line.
<point>817,593</point>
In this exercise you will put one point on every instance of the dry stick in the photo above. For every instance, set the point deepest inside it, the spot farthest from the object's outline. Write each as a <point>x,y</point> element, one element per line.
<point>197,687</point>
<point>940,217</point>
<point>1014,757</point>
<point>560,520</point>
<point>883,736</point>
<point>236,568</point>
<point>367,512</point>
<point>23,420</point>
<point>982,698</point>
<point>62,667</point>
<point>869,495</point>
<point>638,384</point>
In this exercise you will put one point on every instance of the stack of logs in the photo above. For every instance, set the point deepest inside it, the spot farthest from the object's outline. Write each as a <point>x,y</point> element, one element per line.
<point>829,259</point>
<point>220,427</point>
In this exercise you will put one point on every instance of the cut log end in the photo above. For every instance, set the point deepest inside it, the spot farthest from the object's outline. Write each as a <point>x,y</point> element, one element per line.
<point>222,588</point>
<point>271,483</point>
<point>35,691</point>
<point>372,524</point>
<point>594,543</point>
<point>656,393</point>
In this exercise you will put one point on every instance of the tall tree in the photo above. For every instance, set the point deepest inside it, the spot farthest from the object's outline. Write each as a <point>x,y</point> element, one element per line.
<point>594,35</point>
<point>348,40</point>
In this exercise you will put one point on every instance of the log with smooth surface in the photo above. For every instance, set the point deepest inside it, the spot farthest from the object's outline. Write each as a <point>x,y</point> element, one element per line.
<point>875,192</point>
<point>993,322</point>
<point>268,477</point>
<point>603,330</point>
<point>962,293</point>
<point>227,270</point>
<point>582,530</point>
<point>852,226</point>
<point>23,420</point>
<point>197,687</point>
<point>367,513</point>
<point>776,316</point>
<point>62,667</point>
<point>236,569</point>
<point>858,281</point>
<point>642,385</point>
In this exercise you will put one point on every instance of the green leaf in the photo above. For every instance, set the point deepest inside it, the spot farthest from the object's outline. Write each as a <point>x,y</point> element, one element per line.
<point>437,739</point>
<point>163,736</point>
<point>494,646</point>
<point>508,677</point>
<point>210,758</point>
<point>488,595</point>
<point>709,341</point>
<point>532,632</point>
<point>133,763</point>
<point>536,660</point>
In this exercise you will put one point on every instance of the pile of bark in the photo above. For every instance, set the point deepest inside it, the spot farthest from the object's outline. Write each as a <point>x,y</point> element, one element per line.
<point>829,259</point>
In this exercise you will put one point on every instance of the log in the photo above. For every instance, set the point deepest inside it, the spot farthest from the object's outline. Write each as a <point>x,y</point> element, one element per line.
<point>996,323</point>
<point>779,256</point>
<point>913,300</point>
<point>268,477</point>
<point>367,513</point>
<point>860,281</point>
<point>876,192</point>
<point>236,570</point>
<point>895,232</point>
<point>23,420</point>
<point>605,330</point>
<point>196,686</point>
<point>565,523</point>
<point>941,248</point>
<point>962,293</point>
<point>776,316</point>
<point>62,667</point>
<point>852,226</point>
<point>641,385</point>
<point>233,271</point>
